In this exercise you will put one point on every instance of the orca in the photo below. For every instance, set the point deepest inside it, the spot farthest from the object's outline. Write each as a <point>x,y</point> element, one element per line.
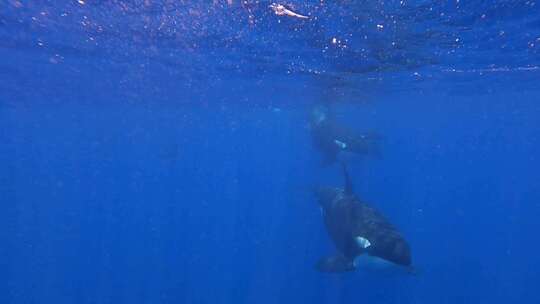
<point>358,231</point>
<point>333,138</point>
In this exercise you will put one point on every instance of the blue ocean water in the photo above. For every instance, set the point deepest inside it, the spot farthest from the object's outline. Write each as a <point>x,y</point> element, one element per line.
<point>156,151</point>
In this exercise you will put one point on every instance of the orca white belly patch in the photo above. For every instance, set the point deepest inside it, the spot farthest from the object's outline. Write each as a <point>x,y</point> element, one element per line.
<point>362,242</point>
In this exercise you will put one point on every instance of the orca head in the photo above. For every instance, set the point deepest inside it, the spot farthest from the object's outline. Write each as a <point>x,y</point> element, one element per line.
<point>401,254</point>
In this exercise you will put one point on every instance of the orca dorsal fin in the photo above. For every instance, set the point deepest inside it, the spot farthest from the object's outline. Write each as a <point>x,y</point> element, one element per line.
<point>348,182</point>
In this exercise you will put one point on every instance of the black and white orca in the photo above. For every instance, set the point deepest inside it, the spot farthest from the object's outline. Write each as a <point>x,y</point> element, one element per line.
<point>359,232</point>
<point>332,138</point>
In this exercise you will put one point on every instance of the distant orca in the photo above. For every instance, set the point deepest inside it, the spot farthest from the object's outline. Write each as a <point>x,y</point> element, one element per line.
<point>331,138</point>
<point>357,229</point>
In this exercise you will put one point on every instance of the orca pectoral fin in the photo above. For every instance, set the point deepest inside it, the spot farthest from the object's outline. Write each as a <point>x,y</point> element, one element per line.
<point>336,263</point>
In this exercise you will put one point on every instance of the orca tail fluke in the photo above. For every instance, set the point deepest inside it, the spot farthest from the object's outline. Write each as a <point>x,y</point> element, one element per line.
<point>366,144</point>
